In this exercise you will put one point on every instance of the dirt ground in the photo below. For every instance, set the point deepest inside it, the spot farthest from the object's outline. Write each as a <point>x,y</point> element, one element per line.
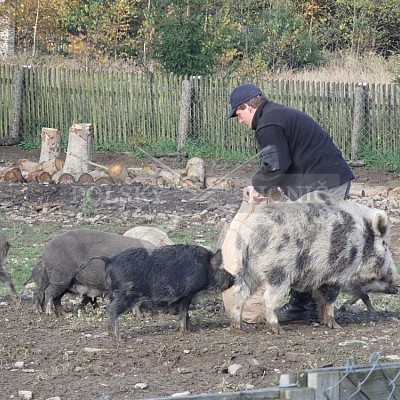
<point>72,356</point>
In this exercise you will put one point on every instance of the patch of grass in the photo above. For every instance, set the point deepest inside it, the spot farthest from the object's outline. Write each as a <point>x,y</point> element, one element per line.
<point>380,160</point>
<point>30,144</point>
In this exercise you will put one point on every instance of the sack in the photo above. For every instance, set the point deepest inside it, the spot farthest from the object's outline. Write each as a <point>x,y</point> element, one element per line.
<point>253,311</point>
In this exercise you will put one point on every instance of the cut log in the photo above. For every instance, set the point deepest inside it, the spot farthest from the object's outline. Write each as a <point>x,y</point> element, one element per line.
<point>85,178</point>
<point>195,168</point>
<point>32,176</point>
<point>3,170</point>
<point>166,177</point>
<point>218,183</point>
<point>13,175</point>
<point>66,177</point>
<point>59,163</point>
<point>27,165</point>
<point>79,149</point>
<point>117,172</point>
<point>45,177</point>
<point>51,140</point>
<point>52,166</point>
<point>103,180</point>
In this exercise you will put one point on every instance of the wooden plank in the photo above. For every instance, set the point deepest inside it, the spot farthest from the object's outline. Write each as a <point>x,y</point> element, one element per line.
<point>325,383</point>
<point>267,394</point>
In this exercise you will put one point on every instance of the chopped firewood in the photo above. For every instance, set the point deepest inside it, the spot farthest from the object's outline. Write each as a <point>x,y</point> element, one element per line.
<point>32,176</point>
<point>117,172</point>
<point>65,177</point>
<point>103,180</point>
<point>218,183</point>
<point>85,178</point>
<point>13,175</point>
<point>59,163</point>
<point>44,177</point>
<point>52,166</point>
<point>27,165</point>
<point>195,168</point>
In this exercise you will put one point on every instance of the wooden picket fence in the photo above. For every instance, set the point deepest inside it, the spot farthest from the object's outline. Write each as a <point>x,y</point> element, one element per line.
<point>142,108</point>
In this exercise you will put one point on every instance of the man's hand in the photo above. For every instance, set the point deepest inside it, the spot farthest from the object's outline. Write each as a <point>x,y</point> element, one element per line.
<point>251,195</point>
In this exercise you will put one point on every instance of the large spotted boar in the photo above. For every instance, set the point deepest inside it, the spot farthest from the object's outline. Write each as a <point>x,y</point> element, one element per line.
<point>57,272</point>
<point>320,245</point>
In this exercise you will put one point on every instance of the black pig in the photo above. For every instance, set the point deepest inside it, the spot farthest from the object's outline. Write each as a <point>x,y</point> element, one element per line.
<point>168,275</point>
<point>57,272</point>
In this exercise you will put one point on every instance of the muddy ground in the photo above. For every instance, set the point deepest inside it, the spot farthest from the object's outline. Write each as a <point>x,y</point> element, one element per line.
<point>73,357</point>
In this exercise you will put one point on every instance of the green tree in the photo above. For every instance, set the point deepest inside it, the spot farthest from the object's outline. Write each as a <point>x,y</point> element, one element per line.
<point>185,38</point>
<point>272,35</point>
<point>35,22</point>
<point>103,28</point>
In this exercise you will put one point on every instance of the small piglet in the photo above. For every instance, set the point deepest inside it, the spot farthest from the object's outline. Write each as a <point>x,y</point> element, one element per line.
<point>168,275</point>
<point>360,292</point>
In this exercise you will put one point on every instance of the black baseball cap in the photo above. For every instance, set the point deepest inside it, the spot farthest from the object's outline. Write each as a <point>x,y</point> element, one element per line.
<point>240,95</point>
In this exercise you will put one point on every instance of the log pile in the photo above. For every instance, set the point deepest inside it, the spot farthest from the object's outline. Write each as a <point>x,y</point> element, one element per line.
<point>78,167</point>
<point>52,172</point>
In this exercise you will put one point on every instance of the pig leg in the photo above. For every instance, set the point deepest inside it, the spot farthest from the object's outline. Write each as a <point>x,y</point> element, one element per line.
<point>326,296</point>
<point>272,298</point>
<point>52,296</point>
<point>6,279</point>
<point>86,300</point>
<point>119,304</point>
<point>184,321</point>
<point>365,299</point>
<point>240,295</point>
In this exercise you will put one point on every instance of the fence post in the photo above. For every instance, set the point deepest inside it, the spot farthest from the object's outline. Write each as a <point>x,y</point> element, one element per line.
<point>184,117</point>
<point>358,119</point>
<point>16,105</point>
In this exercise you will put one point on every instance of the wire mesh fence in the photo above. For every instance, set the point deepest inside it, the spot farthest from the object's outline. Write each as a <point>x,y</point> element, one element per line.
<point>128,110</point>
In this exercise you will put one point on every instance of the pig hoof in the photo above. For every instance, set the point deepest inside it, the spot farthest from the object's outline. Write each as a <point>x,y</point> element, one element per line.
<point>236,326</point>
<point>332,324</point>
<point>274,328</point>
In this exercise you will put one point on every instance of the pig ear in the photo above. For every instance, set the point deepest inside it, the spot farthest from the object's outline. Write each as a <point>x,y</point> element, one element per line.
<point>380,224</point>
<point>216,260</point>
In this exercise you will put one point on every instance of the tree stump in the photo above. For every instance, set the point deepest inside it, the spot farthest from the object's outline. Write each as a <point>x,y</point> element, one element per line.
<point>51,140</point>
<point>79,149</point>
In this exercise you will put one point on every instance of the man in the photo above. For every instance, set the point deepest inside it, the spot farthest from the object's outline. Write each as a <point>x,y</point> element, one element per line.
<point>296,154</point>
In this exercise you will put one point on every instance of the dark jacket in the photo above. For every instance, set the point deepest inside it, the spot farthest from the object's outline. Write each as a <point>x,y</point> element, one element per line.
<point>296,153</point>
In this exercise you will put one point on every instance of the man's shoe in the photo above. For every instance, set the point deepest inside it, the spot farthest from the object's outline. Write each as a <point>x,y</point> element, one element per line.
<point>292,312</point>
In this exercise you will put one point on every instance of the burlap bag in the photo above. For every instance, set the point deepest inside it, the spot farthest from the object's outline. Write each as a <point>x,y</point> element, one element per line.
<point>253,312</point>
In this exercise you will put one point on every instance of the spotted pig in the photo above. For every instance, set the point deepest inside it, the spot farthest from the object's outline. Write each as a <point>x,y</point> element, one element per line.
<point>318,244</point>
